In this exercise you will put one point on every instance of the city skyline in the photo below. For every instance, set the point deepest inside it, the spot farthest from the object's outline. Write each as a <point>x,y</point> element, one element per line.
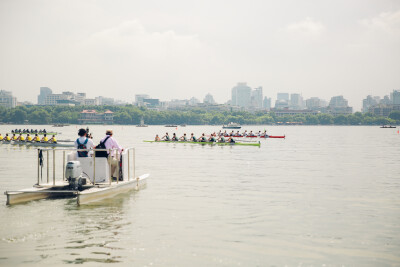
<point>183,50</point>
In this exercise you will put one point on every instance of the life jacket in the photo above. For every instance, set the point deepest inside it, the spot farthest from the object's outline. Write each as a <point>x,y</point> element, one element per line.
<point>82,154</point>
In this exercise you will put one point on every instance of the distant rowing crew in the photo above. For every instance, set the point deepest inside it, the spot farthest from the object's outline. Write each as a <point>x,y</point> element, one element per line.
<point>28,138</point>
<point>203,138</point>
<point>247,134</point>
<point>32,131</point>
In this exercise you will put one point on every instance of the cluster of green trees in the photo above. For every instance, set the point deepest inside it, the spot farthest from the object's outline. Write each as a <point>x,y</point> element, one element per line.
<point>130,114</point>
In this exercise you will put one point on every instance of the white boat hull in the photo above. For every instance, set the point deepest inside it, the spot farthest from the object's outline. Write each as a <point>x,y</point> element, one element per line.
<point>99,193</point>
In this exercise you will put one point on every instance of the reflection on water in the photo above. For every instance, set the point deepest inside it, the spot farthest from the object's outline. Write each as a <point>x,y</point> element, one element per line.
<point>324,196</point>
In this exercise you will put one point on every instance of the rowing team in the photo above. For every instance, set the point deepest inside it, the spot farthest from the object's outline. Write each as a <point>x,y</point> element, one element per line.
<point>213,138</point>
<point>244,134</point>
<point>28,131</point>
<point>28,138</point>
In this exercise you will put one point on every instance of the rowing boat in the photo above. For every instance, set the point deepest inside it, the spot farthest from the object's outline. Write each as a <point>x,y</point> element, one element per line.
<point>36,144</point>
<point>95,172</point>
<point>207,143</point>
<point>267,136</point>
<point>49,133</point>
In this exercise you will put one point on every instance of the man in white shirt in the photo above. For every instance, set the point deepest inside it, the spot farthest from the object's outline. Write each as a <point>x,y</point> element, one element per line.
<point>111,143</point>
<point>83,143</point>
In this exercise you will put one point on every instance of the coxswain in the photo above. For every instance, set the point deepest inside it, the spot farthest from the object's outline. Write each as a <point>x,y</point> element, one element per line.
<point>157,139</point>
<point>174,137</point>
<point>166,137</point>
<point>193,138</point>
<point>28,138</point>
<point>202,138</point>
<point>53,139</point>
<point>183,138</point>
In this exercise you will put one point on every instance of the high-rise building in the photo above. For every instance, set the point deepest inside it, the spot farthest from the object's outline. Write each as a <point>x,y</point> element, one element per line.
<point>315,103</point>
<point>44,92</point>
<point>7,100</point>
<point>241,95</point>
<point>267,103</point>
<point>139,98</point>
<point>369,102</point>
<point>296,101</point>
<point>396,97</point>
<point>209,99</point>
<point>282,96</point>
<point>339,105</point>
<point>257,98</point>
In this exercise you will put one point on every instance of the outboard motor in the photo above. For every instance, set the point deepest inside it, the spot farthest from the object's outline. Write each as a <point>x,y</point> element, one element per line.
<point>73,173</point>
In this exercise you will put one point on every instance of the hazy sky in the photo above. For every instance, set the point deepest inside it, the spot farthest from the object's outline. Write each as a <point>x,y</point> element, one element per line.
<point>178,49</point>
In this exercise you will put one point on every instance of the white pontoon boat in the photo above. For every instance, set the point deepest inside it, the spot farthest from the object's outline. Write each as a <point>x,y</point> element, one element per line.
<point>88,179</point>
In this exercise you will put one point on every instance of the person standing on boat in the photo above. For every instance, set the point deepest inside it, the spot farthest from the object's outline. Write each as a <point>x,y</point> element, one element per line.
<point>110,143</point>
<point>83,142</point>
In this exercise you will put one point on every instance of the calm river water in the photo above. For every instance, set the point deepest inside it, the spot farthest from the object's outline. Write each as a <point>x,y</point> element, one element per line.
<point>324,196</point>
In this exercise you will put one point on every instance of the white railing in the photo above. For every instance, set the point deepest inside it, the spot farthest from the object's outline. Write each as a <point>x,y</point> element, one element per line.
<point>109,158</point>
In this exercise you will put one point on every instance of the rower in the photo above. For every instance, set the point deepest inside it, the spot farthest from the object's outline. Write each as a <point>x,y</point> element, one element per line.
<point>232,133</point>
<point>37,138</point>
<point>28,138</point>
<point>20,138</point>
<point>231,140</point>
<point>157,139</point>
<point>53,139</point>
<point>193,138</point>
<point>212,139</point>
<point>44,139</point>
<point>202,138</point>
<point>183,138</point>
<point>238,134</point>
<point>174,137</point>
<point>259,133</point>
<point>245,133</point>
<point>1,137</point>
<point>225,134</point>
<point>7,138</point>
<point>14,137</point>
<point>251,133</point>
<point>166,137</point>
<point>221,139</point>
